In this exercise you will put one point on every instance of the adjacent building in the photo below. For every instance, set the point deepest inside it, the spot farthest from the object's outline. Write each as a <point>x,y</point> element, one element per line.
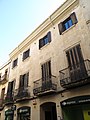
<point>4,78</point>
<point>49,72</point>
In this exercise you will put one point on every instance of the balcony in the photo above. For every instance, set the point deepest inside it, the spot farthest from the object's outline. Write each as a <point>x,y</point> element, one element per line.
<point>9,99</point>
<point>3,79</point>
<point>78,76</point>
<point>22,93</point>
<point>45,86</point>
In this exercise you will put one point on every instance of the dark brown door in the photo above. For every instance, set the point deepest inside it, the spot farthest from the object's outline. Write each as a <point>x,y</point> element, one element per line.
<point>48,115</point>
<point>46,75</point>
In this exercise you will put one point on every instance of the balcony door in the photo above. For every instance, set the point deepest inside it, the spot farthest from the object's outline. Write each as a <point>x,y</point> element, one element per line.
<point>46,74</point>
<point>23,82</point>
<point>76,63</point>
<point>10,89</point>
<point>2,97</point>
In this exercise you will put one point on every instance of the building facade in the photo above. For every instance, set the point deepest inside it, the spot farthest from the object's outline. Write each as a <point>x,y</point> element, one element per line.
<point>4,78</point>
<point>50,70</point>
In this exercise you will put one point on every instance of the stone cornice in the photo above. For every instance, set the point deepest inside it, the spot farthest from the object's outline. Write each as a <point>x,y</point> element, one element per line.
<point>5,64</point>
<point>43,27</point>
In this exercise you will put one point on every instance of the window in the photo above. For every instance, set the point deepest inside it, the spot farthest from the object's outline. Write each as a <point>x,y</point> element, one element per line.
<point>0,76</point>
<point>76,63</point>
<point>15,63</point>
<point>26,54</point>
<point>10,89</point>
<point>2,94</point>
<point>46,39</point>
<point>66,24</point>
<point>46,70</point>
<point>24,80</point>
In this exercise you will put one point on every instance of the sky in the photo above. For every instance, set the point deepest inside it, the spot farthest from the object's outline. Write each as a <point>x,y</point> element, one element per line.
<point>19,18</point>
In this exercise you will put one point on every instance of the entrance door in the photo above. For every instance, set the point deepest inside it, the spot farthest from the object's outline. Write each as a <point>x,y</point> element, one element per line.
<point>48,111</point>
<point>48,115</point>
<point>76,63</point>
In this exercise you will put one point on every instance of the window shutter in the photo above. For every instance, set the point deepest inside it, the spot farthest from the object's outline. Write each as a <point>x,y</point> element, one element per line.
<point>26,80</point>
<point>40,43</point>
<point>2,93</point>
<point>73,18</point>
<point>23,56</point>
<point>49,65</point>
<point>49,36</point>
<point>21,81</point>
<point>10,88</point>
<point>42,71</point>
<point>61,28</point>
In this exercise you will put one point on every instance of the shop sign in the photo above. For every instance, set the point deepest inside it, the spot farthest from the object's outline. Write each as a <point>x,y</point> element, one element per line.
<point>24,110</point>
<point>76,100</point>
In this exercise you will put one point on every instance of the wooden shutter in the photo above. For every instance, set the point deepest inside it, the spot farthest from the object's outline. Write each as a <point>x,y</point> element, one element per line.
<point>2,94</point>
<point>10,87</point>
<point>73,18</point>
<point>49,65</point>
<point>49,36</point>
<point>21,84</point>
<point>26,80</point>
<point>40,43</point>
<point>46,70</point>
<point>43,72</point>
<point>61,28</point>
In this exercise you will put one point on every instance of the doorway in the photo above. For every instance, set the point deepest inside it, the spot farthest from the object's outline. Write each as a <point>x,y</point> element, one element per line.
<point>48,111</point>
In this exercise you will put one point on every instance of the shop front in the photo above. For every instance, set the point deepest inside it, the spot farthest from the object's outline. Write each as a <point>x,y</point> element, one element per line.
<point>77,108</point>
<point>9,114</point>
<point>23,113</point>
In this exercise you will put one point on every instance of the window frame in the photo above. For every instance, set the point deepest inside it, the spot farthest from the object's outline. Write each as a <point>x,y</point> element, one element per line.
<point>45,40</point>
<point>15,62</point>
<point>61,25</point>
<point>26,54</point>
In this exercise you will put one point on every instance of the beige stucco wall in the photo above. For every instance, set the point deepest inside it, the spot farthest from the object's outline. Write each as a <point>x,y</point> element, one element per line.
<point>54,51</point>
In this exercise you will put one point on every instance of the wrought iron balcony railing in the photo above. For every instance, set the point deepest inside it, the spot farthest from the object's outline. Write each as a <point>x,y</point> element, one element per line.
<point>9,98</point>
<point>75,75</point>
<point>22,93</point>
<point>45,85</point>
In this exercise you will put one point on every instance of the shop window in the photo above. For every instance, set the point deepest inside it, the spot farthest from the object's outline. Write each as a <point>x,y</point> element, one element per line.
<point>24,113</point>
<point>67,23</point>
<point>15,63</point>
<point>9,114</point>
<point>26,54</point>
<point>46,39</point>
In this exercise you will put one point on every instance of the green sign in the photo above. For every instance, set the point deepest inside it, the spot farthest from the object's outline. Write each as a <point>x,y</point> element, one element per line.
<point>9,112</point>
<point>76,100</point>
<point>24,110</point>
